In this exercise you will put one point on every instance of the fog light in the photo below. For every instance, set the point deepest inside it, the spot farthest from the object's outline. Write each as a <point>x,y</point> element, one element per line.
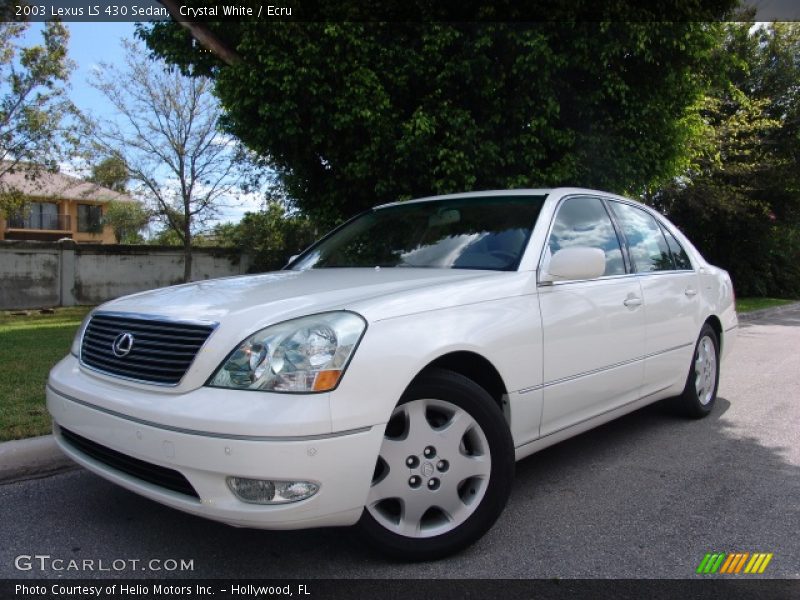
<point>265,491</point>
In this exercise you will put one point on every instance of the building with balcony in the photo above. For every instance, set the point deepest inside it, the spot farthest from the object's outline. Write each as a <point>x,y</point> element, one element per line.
<point>59,206</point>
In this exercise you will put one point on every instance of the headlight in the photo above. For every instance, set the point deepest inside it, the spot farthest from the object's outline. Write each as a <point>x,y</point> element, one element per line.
<point>302,355</point>
<point>75,349</point>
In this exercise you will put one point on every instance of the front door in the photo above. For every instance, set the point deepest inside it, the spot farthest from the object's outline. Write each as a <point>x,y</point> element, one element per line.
<point>594,331</point>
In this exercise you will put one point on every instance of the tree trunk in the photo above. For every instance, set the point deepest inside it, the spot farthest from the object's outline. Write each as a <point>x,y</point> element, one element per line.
<point>187,254</point>
<point>203,34</point>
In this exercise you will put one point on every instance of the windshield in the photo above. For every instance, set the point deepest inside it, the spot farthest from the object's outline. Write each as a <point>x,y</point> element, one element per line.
<point>461,233</point>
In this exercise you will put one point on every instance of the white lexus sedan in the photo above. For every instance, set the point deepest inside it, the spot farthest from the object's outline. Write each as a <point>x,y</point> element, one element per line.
<point>392,373</point>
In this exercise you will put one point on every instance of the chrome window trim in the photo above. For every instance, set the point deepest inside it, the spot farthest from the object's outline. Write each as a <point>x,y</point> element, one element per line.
<point>625,251</point>
<point>610,277</point>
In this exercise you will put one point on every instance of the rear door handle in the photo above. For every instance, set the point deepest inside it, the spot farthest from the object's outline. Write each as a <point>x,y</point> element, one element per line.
<point>632,301</point>
<point>690,292</point>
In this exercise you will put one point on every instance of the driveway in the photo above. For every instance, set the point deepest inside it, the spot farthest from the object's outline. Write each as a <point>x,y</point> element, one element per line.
<point>643,497</point>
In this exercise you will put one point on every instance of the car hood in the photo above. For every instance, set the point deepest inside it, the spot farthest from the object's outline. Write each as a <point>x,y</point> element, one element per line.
<point>271,297</point>
<point>240,306</point>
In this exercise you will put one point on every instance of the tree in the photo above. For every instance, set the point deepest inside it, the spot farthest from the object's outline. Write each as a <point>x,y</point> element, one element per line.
<point>740,202</point>
<point>127,219</point>
<point>774,78</point>
<point>721,204</point>
<point>167,237</point>
<point>170,142</point>
<point>270,236</point>
<point>111,172</point>
<point>33,106</point>
<point>357,113</point>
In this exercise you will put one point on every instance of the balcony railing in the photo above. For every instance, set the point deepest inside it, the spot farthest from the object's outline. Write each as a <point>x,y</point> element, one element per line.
<point>43,222</point>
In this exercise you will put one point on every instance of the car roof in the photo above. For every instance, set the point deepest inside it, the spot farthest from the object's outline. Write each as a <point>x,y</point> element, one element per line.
<point>557,192</point>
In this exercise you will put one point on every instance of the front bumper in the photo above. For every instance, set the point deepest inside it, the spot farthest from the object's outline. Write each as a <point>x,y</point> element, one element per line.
<point>342,464</point>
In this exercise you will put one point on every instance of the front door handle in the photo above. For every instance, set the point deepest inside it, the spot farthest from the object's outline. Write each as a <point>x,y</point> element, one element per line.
<point>632,301</point>
<point>690,292</point>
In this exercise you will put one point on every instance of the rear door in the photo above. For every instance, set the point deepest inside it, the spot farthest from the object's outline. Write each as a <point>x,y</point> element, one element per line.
<point>670,294</point>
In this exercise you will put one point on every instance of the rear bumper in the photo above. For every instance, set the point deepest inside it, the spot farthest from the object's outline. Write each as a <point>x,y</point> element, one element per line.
<point>342,465</point>
<point>729,337</point>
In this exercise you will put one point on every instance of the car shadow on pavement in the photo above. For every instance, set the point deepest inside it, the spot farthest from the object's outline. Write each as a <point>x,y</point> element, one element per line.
<point>656,492</point>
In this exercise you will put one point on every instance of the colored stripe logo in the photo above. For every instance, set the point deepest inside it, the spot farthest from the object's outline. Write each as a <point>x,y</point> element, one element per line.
<point>734,563</point>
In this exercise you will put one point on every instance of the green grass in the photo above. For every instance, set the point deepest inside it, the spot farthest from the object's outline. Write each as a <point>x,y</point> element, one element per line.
<point>744,305</point>
<point>29,347</point>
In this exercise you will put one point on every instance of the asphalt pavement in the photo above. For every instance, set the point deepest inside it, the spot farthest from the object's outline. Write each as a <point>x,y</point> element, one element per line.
<point>643,497</point>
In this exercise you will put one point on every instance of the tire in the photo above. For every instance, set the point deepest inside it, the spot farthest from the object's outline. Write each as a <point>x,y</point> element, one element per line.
<point>700,393</point>
<point>444,472</point>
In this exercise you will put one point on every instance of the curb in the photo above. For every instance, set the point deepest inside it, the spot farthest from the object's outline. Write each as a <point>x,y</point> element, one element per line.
<point>768,312</point>
<point>32,458</point>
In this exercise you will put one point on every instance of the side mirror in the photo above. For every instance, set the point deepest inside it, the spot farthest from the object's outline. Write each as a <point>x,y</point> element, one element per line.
<point>575,263</point>
<point>290,261</point>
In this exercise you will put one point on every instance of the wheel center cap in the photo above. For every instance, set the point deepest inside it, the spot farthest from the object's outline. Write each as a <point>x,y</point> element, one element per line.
<point>426,469</point>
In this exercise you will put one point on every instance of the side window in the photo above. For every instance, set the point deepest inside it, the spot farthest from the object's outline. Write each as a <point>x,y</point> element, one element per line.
<point>682,262</point>
<point>585,222</point>
<point>649,250</point>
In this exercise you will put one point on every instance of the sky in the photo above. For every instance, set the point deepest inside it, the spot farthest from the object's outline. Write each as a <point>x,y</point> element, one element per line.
<point>93,43</point>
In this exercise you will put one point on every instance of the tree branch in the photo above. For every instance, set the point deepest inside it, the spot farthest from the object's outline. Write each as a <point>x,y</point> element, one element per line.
<point>203,35</point>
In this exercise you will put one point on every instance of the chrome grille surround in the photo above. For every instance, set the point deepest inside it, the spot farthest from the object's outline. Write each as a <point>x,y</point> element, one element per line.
<point>162,351</point>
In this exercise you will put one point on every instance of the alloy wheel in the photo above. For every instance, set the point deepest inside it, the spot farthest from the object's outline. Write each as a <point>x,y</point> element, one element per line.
<point>705,370</point>
<point>432,471</point>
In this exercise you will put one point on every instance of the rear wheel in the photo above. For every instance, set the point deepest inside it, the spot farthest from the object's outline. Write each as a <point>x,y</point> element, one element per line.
<point>700,393</point>
<point>444,471</point>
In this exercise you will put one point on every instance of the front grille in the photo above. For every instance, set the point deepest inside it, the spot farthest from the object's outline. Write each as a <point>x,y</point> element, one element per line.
<point>160,476</point>
<point>161,351</point>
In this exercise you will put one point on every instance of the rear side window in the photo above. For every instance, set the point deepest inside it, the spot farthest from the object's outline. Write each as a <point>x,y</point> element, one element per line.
<point>584,222</point>
<point>649,250</point>
<point>682,262</point>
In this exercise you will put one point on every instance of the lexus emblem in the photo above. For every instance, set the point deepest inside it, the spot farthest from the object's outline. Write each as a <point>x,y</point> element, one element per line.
<point>122,345</point>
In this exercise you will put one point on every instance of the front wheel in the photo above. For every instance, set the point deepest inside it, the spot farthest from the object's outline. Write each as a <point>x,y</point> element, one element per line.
<point>700,392</point>
<point>444,471</point>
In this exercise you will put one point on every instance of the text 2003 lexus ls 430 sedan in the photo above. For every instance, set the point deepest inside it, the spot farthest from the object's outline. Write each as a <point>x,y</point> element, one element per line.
<point>394,371</point>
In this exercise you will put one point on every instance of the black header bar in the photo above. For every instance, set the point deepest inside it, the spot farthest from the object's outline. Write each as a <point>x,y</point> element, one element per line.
<point>390,10</point>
